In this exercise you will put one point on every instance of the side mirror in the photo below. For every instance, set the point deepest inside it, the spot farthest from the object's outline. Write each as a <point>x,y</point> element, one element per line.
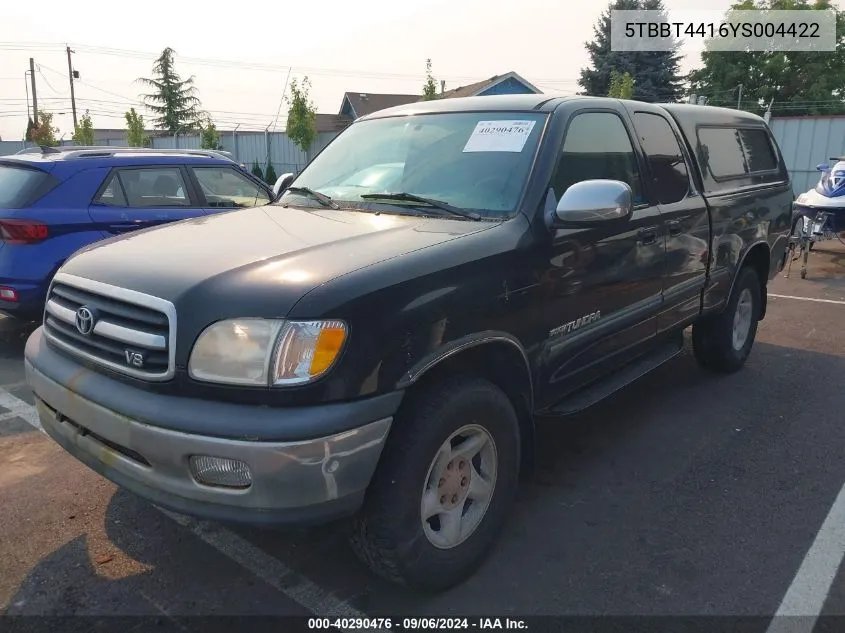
<point>282,183</point>
<point>822,167</point>
<point>591,202</point>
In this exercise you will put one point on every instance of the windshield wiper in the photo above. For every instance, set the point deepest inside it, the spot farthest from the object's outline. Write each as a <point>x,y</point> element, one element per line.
<point>410,197</point>
<point>322,198</point>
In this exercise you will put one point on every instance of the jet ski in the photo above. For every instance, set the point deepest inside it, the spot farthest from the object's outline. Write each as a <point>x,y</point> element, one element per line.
<point>822,208</point>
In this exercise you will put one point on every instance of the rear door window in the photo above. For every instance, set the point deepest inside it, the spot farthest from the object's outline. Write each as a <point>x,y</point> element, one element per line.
<point>665,158</point>
<point>157,187</point>
<point>112,194</point>
<point>20,185</point>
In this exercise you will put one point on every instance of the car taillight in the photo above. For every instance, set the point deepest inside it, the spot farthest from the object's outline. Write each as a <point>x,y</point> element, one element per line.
<point>8,294</point>
<point>23,231</point>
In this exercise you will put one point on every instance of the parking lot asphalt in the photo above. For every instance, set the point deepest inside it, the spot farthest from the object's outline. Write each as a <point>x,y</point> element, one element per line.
<point>686,494</point>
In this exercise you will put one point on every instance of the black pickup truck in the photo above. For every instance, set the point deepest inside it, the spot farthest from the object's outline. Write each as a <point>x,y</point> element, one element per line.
<point>377,343</point>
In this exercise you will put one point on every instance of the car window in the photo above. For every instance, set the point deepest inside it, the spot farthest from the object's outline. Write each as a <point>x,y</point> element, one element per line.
<point>224,187</point>
<point>720,149</point>
<point>18,184</point>
<point>112,193</point>
<point>472,160</point>
<point>597,146</point>
<point>759,153</point>
<point>664,155</point>
<point>156,187</point>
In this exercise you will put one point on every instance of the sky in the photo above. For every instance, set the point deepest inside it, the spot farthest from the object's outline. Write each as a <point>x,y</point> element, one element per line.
<point>243,62</point>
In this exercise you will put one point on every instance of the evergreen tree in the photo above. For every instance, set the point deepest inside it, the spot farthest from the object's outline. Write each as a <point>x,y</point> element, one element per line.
<point>30,127</point>
<point>270,176</point>
<point>654,73</point>
<point>174,100</point>
<point>256,170</point>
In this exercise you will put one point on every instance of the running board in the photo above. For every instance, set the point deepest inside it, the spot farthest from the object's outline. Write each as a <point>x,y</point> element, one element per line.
<point>621,378</point>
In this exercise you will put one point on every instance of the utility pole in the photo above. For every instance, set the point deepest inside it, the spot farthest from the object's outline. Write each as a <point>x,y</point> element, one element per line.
<point>71,74</point>
<point>739,98</point>
<point>34,96</point>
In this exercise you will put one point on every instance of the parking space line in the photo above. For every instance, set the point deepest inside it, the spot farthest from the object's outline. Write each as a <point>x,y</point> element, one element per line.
<point>842,303</point>
<point>275,573</point>
<point>19,409</point>
<point>255,560</point>
<point>808,592</point>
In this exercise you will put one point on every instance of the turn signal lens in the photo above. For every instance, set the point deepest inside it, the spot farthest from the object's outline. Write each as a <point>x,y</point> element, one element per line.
<point>307,349</point>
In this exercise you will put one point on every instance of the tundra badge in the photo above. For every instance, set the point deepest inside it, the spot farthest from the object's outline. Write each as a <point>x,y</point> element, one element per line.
<point>566,328</point>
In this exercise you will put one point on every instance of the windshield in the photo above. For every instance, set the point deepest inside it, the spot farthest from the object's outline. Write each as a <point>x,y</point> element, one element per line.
<point>470,160</point>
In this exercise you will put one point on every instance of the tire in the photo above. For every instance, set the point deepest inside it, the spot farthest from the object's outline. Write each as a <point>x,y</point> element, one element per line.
<point>713,338</point>
<point>389,533</point>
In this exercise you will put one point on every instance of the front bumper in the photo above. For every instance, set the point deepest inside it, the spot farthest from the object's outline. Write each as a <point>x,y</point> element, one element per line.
<point>293,482</point>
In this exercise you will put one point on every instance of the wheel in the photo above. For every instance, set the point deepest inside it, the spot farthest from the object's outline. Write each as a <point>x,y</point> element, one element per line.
<point>441,493</point>
<point>723,342</point>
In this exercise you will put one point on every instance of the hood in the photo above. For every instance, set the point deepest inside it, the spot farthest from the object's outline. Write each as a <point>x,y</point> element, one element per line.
<point>259,261</point>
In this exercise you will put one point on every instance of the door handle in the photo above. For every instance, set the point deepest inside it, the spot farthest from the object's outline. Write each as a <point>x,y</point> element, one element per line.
<point>674,228</point>
<point>647,235</point>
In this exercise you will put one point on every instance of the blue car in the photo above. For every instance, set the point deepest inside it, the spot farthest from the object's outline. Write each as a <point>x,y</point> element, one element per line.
<point>54,201</point>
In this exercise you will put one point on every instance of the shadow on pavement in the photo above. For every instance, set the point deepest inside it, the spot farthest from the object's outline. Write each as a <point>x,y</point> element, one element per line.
<point>652,503</point>
<point>156,569</point>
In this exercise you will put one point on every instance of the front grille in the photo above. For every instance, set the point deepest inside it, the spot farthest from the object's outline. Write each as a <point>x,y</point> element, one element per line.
<point>121,329</point>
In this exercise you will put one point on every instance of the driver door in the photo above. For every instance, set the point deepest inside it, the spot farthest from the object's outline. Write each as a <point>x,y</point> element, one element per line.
<point>603,285</point>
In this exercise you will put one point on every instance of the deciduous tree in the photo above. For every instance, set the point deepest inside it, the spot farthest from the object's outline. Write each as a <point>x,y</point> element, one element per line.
<point>135,133</point>
<point>44,133</point>
<point>302,115</point>
<point>621,85</point>
<point>209,136</point>
<point>430,86</point>
<point>795,82</point>
<point>84,134</point>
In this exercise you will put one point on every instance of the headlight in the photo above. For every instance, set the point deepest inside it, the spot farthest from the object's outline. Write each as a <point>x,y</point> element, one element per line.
<point>264,352</point>
<point>801,199</point>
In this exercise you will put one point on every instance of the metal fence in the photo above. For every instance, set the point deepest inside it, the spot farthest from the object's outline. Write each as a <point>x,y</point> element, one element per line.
<point>247,147</point>
<point>807,141</point>
<point>804,141</point>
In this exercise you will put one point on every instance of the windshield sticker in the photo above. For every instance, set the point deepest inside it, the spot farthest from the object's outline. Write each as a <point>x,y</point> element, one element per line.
<point>499,136</point>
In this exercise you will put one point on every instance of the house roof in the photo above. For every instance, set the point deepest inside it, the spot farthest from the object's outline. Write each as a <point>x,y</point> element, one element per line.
<point>331,122</point>
<point>364,103</point>
<point>473,89</point>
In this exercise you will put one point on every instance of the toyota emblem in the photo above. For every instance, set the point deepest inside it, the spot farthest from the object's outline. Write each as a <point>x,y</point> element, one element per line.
<point>84,321</point>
